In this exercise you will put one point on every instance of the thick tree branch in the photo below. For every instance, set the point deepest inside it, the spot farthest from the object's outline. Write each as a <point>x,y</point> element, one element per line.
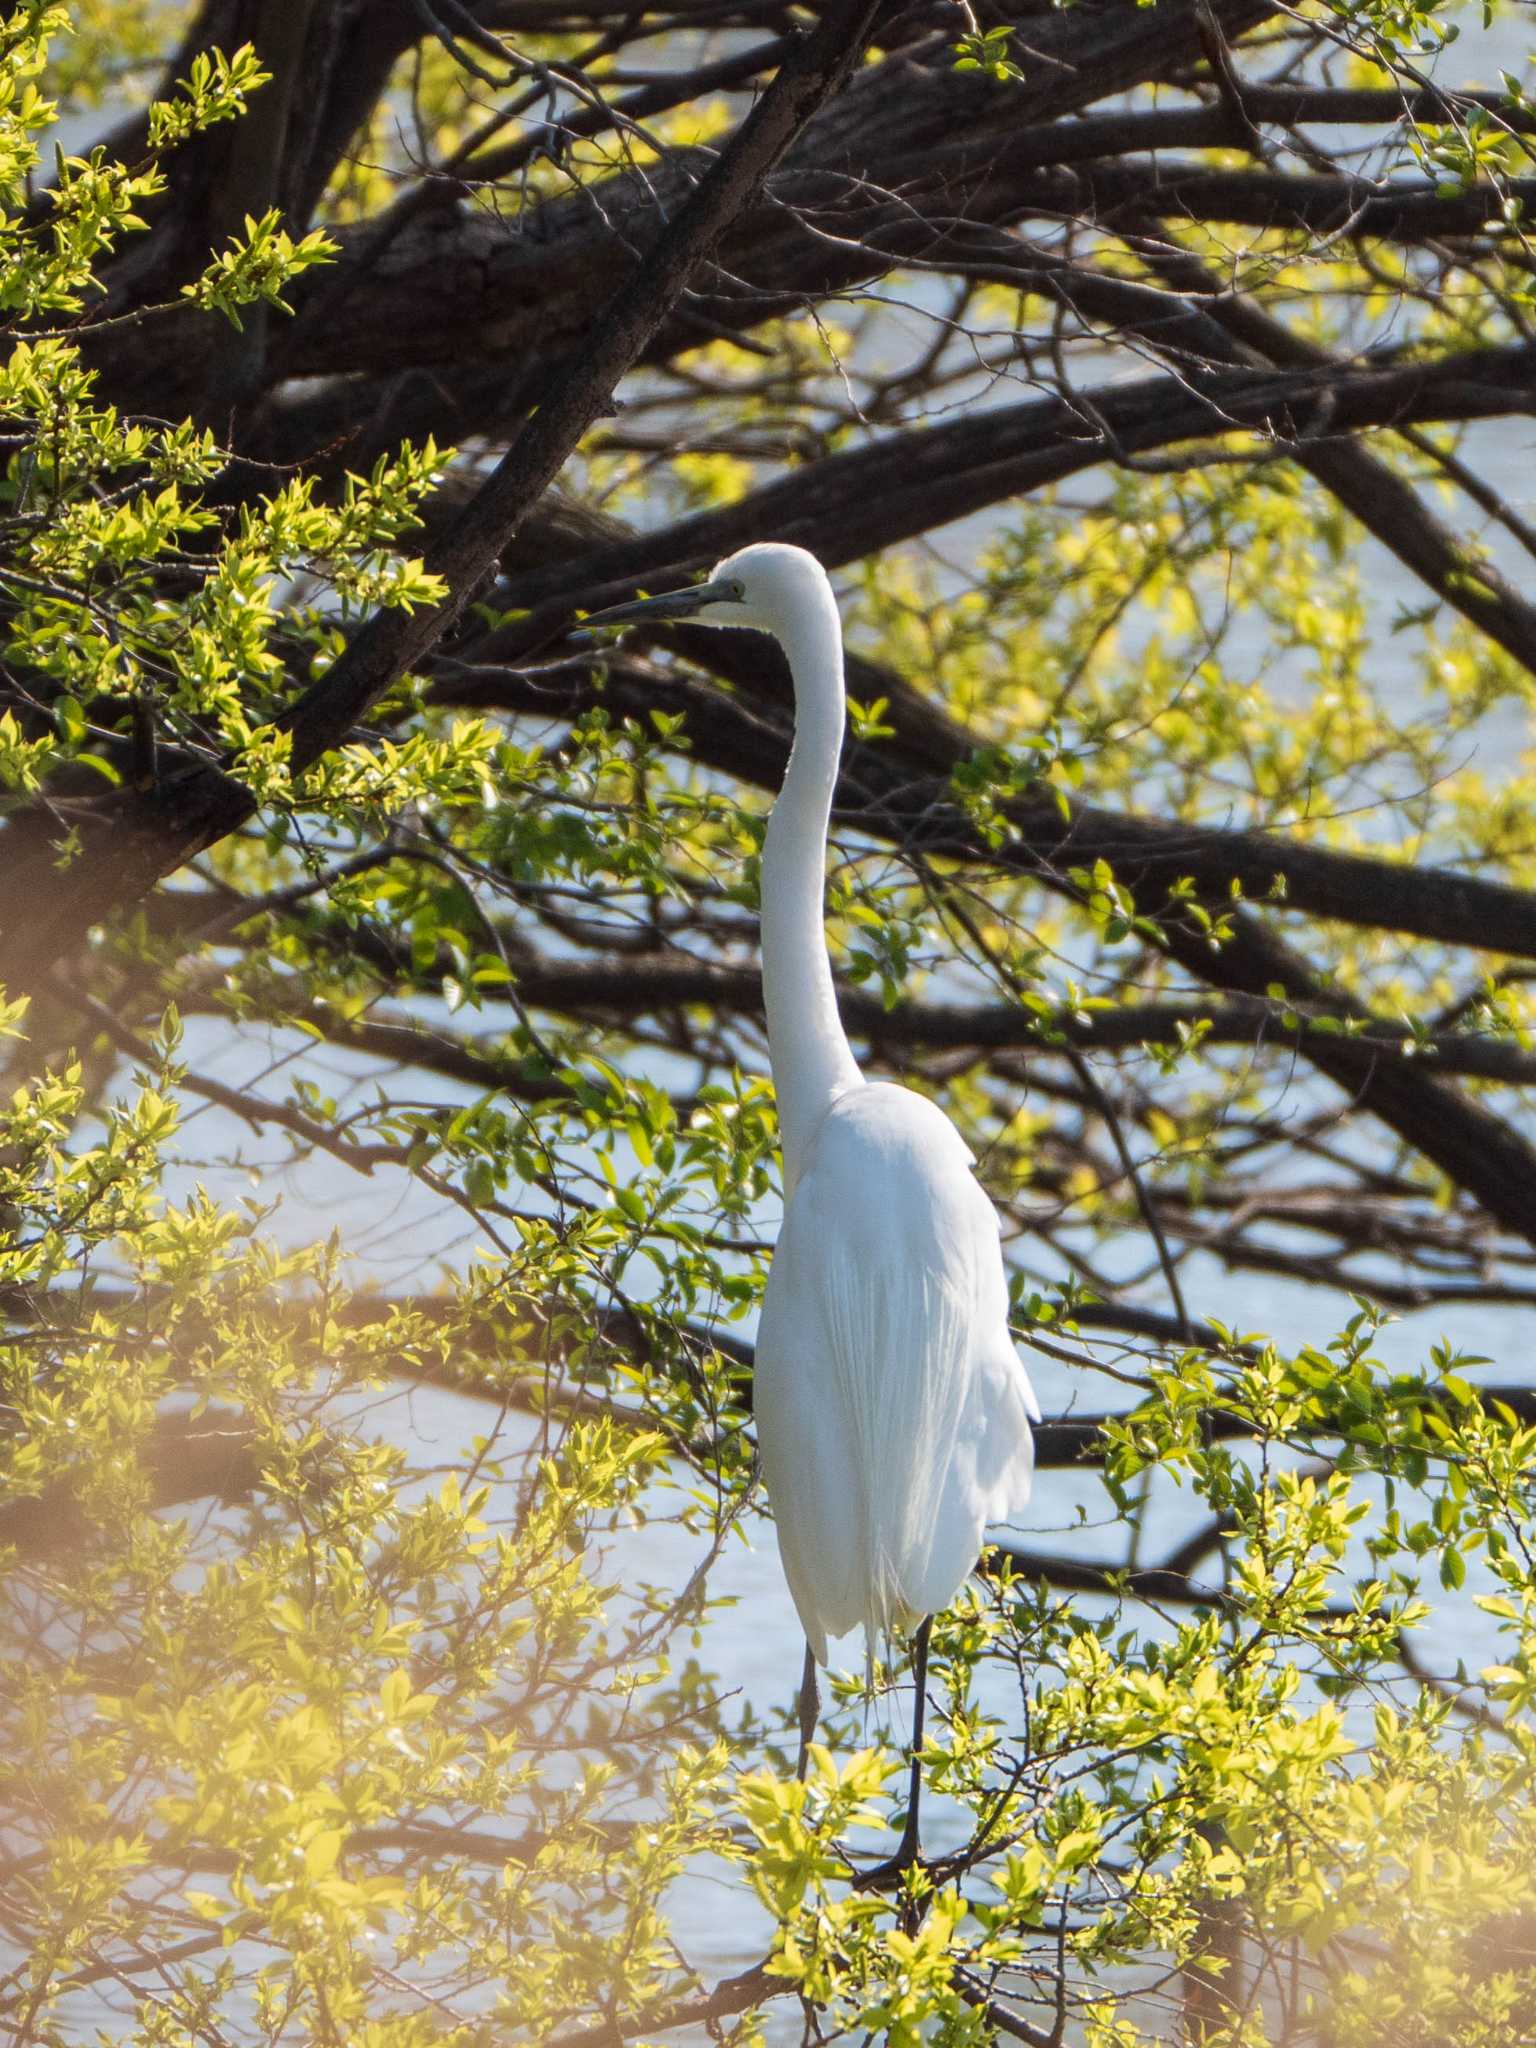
<point>134,840</point>
<point>881,790</point>
<point>628,986</point>
<point>525,290</point>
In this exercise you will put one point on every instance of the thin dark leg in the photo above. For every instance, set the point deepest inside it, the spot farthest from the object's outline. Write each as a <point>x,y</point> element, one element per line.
<point>893,1870</point>
<point>810,1709</point>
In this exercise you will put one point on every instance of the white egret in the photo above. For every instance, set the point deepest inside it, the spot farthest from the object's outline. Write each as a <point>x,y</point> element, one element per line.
<point>892,1410</point>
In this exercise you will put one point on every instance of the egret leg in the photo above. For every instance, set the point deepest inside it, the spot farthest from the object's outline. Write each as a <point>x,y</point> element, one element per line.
<point>810,1709</point>
<point>892,1871</point>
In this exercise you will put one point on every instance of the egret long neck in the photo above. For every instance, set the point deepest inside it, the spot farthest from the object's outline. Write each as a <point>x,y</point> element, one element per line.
<point>812,1061</point>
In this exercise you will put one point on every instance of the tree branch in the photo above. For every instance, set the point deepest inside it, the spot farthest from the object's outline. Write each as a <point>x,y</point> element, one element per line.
<point>136,838</point>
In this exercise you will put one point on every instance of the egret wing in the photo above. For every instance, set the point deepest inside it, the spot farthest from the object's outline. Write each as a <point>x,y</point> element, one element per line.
<point>892,1412</point>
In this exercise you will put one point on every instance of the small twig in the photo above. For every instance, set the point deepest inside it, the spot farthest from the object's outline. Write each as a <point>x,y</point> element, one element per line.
<point>1219,56</point>
<point>462,25</point>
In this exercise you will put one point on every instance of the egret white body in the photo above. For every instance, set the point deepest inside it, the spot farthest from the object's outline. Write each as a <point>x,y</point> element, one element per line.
<point>892,1410</point>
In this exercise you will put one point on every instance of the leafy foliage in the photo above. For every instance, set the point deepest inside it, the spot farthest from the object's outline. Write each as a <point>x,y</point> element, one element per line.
<point>434,1088</point>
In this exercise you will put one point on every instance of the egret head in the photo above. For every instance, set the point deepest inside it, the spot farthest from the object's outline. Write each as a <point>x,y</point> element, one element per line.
<point>768,585</point>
